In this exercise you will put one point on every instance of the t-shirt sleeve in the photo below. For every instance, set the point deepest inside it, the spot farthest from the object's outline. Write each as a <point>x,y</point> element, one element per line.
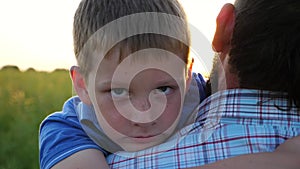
<point>61,137</point>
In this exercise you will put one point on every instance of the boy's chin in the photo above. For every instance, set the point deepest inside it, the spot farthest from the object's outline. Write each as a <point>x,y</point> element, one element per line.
<point>133,144</point>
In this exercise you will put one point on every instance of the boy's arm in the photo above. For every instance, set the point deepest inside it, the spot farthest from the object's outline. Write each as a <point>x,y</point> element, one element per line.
<point>89,158</point>
<point>286,156</point>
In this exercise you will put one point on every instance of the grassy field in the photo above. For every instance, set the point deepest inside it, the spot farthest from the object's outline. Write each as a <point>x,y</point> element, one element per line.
<point>26,98</point>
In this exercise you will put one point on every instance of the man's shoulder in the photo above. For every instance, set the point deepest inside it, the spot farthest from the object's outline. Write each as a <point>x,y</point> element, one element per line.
<point>246,106</point>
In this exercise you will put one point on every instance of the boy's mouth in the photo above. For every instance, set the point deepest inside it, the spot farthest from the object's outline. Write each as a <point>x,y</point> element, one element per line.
<point>149,136</point>
<point>145,138</point>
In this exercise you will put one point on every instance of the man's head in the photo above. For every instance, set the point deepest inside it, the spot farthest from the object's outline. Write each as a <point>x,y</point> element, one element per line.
<point>259,43</point>
<point>134,67</point>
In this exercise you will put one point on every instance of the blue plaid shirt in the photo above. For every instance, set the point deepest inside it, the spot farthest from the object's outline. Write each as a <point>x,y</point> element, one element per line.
<point>229,123</point>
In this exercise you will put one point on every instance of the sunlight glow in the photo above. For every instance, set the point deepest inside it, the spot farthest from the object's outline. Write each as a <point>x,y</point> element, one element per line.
<point>38,34</point>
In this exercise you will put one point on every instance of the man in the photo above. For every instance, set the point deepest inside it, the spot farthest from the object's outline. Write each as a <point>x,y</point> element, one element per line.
<point>256,101</point>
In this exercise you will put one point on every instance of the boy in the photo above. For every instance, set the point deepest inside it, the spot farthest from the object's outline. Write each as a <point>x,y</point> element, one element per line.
<point>139,69</point>
<point>134,71</point>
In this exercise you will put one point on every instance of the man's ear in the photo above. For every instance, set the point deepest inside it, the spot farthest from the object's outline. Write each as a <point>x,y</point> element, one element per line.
<point>79,85</point>
<point>224,29</point>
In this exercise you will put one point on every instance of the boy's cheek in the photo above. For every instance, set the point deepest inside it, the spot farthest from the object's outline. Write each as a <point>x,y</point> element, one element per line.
<point>113,117</point>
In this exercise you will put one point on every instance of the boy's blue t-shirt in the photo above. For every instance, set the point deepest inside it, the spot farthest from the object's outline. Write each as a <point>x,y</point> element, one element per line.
<point>61,135</point>
<point>65,133</point>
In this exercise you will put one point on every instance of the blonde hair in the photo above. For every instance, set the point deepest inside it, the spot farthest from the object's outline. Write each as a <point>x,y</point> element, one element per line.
<point>102,25</point>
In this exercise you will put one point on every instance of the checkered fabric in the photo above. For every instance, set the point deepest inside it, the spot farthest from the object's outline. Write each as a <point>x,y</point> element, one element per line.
<point>229,123</point>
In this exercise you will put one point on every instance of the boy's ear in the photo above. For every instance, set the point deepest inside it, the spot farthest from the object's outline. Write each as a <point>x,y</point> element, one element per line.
<point>224,29</point>
<point>79,85</point>
<point>189,75</point>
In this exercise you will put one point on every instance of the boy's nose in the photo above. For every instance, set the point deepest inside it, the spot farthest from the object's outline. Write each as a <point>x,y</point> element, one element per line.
<point>141,104</point>
<point>142,110</point>
<point>144,115</point>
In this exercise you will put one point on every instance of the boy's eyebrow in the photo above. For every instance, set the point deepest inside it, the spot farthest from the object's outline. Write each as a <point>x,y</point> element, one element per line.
<point>169,81</point>
<point>109,83</point>
<point>164,81</point>
<point>117,83</point>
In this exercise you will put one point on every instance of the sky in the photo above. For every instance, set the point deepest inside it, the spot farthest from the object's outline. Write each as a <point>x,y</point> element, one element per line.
<point>38,33</point>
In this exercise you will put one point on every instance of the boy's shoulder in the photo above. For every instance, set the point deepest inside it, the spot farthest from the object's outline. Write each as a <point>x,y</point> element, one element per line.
<point>67,116</point>
<point>61,135</point>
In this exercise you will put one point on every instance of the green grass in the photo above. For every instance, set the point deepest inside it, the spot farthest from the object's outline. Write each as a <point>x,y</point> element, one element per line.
<point>26,98</point>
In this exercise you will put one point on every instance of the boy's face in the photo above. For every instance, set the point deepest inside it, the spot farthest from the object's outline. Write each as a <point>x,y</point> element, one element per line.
<point>138,101</point>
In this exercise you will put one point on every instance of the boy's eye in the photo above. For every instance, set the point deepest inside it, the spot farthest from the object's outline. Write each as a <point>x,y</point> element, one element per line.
<point>119,92</point>
<point>164,90</point>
